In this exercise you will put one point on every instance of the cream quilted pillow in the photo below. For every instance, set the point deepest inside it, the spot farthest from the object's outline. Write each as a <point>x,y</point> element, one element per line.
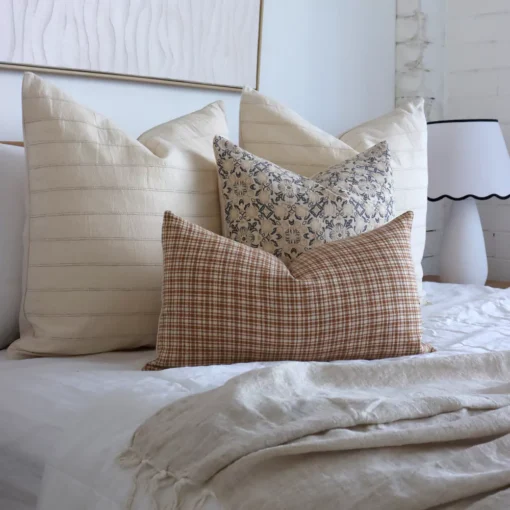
<point>276,133</point>
<point>97,197</point>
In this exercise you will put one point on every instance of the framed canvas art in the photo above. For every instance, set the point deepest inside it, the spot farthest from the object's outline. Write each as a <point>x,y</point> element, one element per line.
<point>201,43</point>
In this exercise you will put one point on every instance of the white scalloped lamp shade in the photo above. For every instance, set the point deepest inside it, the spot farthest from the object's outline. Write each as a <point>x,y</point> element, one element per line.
<point>467,158</point>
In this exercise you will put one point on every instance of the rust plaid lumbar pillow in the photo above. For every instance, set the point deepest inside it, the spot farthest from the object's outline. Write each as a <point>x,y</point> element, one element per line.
<point>224,302</point>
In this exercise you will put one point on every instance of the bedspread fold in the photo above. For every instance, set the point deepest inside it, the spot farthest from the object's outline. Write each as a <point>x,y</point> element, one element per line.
<point>413,434</point>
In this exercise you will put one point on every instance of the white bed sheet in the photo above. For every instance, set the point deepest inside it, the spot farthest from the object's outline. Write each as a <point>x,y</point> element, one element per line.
<point>38,397</point>
<point>46,404</point>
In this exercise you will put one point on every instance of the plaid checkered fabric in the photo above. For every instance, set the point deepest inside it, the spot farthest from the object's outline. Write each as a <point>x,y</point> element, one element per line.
<point>224,302</point>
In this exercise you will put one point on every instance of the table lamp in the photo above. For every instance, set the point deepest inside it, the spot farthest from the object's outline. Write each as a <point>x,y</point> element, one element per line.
<point>468,161</point>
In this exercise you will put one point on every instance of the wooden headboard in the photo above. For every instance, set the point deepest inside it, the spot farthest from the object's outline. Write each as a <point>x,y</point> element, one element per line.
<point>18,144</point>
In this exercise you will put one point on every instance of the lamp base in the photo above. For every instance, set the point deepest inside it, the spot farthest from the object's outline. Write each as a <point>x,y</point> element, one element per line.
<point>463,256</point>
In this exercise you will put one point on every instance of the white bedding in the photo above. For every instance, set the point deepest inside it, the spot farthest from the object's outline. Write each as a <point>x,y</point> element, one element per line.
<point>74,415</point>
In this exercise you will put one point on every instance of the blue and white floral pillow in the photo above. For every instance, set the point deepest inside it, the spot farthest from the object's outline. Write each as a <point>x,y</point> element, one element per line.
<point>265,206</point>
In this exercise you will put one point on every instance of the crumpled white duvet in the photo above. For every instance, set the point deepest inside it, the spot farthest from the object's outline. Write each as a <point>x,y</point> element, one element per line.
<point>83,411</point>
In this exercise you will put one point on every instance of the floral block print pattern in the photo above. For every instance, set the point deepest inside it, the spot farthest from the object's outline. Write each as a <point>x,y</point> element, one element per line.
<point>265,206</point>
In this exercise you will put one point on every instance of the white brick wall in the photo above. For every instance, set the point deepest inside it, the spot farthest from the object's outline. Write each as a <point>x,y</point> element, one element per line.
<point>456,54</point>
<point>476,55</point>
<point>420,72</point>
<point>472,8</point>
<point>478,85</point>
<point>420,53</point>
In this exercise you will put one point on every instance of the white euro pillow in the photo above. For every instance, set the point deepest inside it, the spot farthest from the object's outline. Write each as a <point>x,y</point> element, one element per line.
<point>276,133</point>
<point>13,191</point>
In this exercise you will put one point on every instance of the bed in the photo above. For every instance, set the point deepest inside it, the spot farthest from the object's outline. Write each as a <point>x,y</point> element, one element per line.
<point>70,421</point>
<point>65,420</point>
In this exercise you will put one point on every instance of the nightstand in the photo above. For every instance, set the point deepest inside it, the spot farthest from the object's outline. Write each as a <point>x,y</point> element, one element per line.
<point>488,283</point>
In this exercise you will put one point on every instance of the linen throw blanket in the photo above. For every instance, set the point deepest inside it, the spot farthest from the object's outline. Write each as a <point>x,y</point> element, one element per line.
<point>413,433</point>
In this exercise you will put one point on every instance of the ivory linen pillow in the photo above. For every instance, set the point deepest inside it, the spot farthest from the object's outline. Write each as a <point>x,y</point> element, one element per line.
<point>268,207</point>
<point>224,302</point>
<point>276,133</point>
<point>97,198</point>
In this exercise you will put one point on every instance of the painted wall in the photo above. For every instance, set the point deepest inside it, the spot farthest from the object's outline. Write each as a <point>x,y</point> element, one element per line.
<point>331,60</point>
<point>478,85</point>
